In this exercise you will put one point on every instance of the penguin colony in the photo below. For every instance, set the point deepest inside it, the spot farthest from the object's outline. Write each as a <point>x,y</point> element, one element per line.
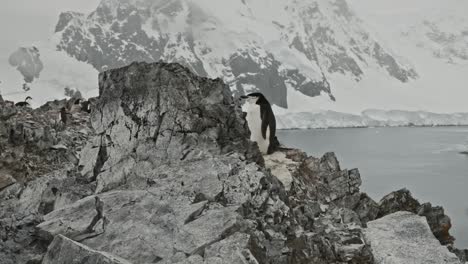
<point>75,105</point>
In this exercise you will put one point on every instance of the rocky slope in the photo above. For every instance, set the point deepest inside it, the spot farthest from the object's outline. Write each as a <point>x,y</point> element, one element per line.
<point>295,46</point>
<point>166,174</point>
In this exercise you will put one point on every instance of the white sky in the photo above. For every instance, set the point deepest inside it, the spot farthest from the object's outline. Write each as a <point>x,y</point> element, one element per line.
<point>23,22</point>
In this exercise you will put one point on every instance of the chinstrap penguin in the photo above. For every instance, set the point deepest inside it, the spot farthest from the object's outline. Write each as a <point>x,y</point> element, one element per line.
<point>24,103</point>
<point>63,116</point>
<point>261,121</point>
<point>76,106</point>
<point>86,106</point>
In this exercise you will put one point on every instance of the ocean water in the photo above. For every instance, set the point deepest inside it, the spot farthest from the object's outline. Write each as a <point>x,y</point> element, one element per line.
<point>426,160</point>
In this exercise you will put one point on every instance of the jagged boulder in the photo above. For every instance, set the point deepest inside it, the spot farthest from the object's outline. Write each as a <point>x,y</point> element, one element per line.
<point>149,115</point>
<point>176,147</point>
<point>66,251</point>
<point>402,200</point>
<point>404,237</point>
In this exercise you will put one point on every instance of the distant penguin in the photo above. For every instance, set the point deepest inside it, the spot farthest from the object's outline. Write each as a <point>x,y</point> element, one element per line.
<point>76,106</point>
<point>63,115</point>
<point>86,106</point>
<point>261,121</point>
<point>24,103</point>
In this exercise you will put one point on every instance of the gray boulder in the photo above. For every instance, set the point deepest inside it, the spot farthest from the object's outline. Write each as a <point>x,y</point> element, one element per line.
<point>402,200</point>
<point>404,237</point>
<point>66,251</point>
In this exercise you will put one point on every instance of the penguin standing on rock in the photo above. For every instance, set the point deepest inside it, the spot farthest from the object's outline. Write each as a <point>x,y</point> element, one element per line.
<point>64,115</point>
<point>86,106</point>
<point>24,103</point>
<point>261,121</point>
<point>76,106</point>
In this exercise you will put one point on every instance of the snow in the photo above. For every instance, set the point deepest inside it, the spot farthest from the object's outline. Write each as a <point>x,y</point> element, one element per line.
<point>368,118</point>
<point>221,28</point>
<point>60,71</point>
<point>402,25</point>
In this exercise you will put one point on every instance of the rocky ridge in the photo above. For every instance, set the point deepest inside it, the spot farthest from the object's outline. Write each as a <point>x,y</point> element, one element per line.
<point>165,173</point>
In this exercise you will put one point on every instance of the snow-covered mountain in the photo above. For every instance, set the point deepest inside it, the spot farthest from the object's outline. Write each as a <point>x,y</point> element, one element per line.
<point>369,118</point>
<point>433,36</point>
<point>280,48</point>
<point>307,56</point>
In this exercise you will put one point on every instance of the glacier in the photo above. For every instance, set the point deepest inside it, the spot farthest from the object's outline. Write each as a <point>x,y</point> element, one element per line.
<point>368,118</point>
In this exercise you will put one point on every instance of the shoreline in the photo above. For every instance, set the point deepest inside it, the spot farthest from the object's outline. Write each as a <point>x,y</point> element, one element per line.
<point>371,127</point>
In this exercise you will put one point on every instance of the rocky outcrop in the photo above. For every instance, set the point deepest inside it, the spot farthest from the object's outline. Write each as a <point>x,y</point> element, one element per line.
<point>404,237</point>
<point>38,158</point>
<point>168,175</point>
<point>66,251</point>
<point>402,200</point>
<point>35,142</point>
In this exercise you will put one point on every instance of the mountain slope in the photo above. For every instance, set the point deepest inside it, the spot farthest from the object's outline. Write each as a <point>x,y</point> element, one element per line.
<point>276,47</point>
<point>433,36</point>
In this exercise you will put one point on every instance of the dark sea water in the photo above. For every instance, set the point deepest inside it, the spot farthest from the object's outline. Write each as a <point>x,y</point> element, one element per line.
<point>427,161</point>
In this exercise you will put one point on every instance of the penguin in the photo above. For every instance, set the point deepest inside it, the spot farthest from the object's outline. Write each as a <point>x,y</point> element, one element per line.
<point>76,106</point>
<point>63,115</point>
<point>24,103</point>
<point>261,121</point>
<point>86,106</point>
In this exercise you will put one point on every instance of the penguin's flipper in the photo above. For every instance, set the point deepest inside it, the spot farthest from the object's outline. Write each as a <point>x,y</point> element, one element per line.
<point>264,118</point>
<point>264,128</point>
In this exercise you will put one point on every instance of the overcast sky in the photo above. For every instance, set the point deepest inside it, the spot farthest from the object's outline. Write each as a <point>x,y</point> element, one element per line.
<point>23,22</point>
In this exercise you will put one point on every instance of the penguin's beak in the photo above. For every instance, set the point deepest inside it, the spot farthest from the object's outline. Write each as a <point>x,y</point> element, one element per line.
<point>244,97</point>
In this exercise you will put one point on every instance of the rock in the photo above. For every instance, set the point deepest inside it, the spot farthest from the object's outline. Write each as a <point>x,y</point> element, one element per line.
<point>165,114</point>
<point>31,140</point>
<point>59,147</point>
<point>401,200</point>
<point>367,209</point>
<point>439,223</point>
<point>404,237</point>
<point>66,251</point>
<point>6,180</point>
<point>233,250</point>
<point>461,254</point>
<point>278,164</point>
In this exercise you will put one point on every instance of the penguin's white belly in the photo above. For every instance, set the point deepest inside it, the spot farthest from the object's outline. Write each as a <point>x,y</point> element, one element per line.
<point>254,122</point>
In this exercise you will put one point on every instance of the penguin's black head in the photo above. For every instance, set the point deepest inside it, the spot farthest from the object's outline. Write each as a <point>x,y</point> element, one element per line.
<point>255,98</point>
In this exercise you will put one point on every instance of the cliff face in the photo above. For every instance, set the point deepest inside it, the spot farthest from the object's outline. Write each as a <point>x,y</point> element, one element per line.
<point>167,175</point>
